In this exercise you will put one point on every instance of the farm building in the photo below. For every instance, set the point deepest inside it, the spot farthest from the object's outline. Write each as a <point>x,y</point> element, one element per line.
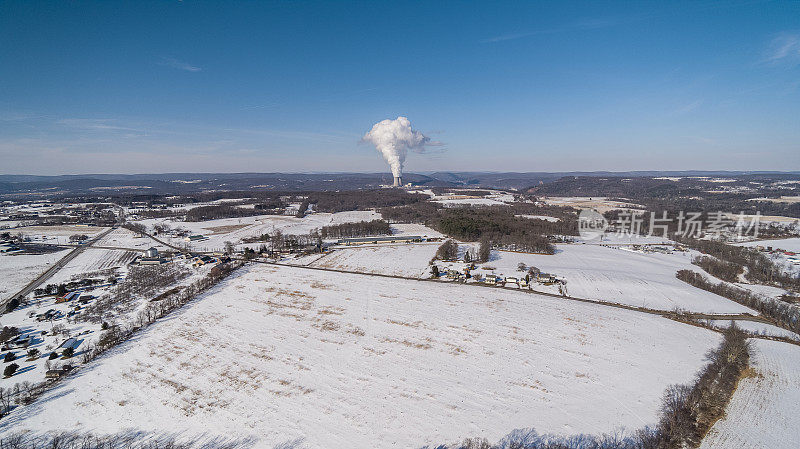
<point>8,248</point>
<point>68,297</point>
<point>70,343</point>
<point>202,260</point>
<point>56,373</point>
<point>381,239</point>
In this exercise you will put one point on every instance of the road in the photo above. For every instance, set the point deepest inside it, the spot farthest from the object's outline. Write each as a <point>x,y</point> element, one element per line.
<point>52,270</point>
<point>157,240</point>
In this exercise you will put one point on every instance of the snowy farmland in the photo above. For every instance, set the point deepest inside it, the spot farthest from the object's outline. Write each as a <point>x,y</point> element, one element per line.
<point>125,239</point>
<point>93,259</point>
<point>234,229</point>
<point>792,244</point>
<point>619,275</point>
<point>344,360</point>
<point>409,260</point>
<point>57,234</point>
<point>17,270</point>
<point>765,409</point>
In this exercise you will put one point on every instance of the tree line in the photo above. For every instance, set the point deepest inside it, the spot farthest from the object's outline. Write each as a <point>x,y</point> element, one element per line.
<point>760,268</point>
<point>784,315</point>
<point>362,199</point>
<point>727,271</point>
<point>217,211</point>
<point>360,229</point>
<point>128,440</point>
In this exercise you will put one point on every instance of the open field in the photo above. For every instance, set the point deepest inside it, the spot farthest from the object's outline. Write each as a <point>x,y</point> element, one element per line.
<point>765,410</point>
<point>791,244</point>
<point>234,229</point>
<point>599,204</point>
<point>619,275</point>
<point>782,199</point>
<point>93,259</point>
<point>410,260</point>
<point>17,270</point>
<point>414,229</point>
<point>343,360</point>
<point>125,239</point>
<point>450,202</point>
<point>57,234</point>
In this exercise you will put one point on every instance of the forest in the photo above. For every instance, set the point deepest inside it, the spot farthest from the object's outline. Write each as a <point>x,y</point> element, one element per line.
<point>727,271</point>
<point>362,199</point>
<point>501,225</point>
<point>359,229</point>
<point>204,213</point>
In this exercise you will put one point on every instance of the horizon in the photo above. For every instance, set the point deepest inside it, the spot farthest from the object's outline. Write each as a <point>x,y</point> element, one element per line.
<point>421,173</point>
<point>580,86</point>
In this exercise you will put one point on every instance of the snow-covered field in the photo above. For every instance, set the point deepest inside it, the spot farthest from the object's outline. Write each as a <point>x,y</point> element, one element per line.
<point>622,238</point>
<point>538,217</point>
<point>599,204</point>
<point>415,229</point>
<point>449,202</point>
<point>792,244</point>
<point>125,239</point>
<point>57,234</point>
<point>93,259</point>
<point>410,260</point>
<point>234,229</point>
<point>344,360</point>
<point>765,410</point>
<point>619,275</point>
<point>17,270</point>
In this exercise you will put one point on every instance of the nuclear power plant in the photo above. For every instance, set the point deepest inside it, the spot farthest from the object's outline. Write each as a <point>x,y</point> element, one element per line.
<point>393,139</point>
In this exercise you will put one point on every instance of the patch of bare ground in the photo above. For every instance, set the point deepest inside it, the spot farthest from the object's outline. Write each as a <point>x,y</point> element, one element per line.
<point>410,344</point>
<point>375,351</point>
<point>355,330</point>
<point>415,324</point>
<point>215,230</point>
<point>536,385</point>
<point>330,310</point>
<point>455,349</point>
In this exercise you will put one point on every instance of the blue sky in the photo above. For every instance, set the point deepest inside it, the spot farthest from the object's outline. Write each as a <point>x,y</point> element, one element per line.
<point>137,87</point>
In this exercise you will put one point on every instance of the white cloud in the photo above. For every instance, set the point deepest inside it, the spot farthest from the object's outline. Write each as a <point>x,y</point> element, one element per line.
<point>785,47</point>
<point>180,65</point>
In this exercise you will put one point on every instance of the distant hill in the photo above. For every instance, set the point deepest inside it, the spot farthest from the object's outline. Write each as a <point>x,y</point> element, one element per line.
<point>179,183</point>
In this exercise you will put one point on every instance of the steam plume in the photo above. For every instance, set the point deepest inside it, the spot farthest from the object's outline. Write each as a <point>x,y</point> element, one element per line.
<point>393,138</point>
